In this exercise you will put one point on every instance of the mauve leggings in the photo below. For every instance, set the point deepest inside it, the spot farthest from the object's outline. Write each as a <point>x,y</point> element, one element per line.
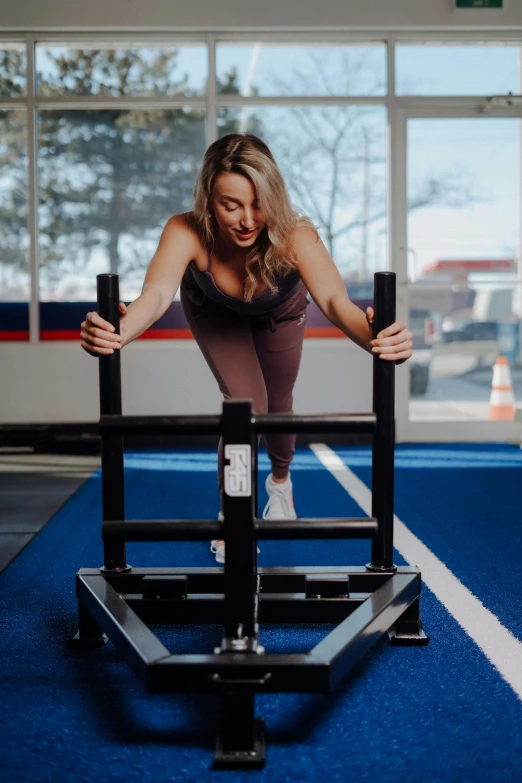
<point>252,356</point>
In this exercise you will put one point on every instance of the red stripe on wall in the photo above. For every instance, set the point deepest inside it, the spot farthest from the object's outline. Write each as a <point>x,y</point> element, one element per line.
<point>166,334</point>
<point>60,334</point>
<point>150,334</point>
<point>17,336</point>
<point>156,334</point>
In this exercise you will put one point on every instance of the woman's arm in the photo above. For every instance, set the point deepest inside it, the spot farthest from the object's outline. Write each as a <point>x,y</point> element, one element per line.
<point>177,247</point>
<point>327,288</point>
<point>137,317</point>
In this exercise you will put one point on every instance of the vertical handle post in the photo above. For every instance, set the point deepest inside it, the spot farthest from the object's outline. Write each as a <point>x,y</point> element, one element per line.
<point>241,626</point>
<point>108,295</point>
<point>384,437</point>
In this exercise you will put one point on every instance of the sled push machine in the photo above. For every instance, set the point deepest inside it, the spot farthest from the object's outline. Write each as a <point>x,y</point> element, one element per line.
<point>119,601</point>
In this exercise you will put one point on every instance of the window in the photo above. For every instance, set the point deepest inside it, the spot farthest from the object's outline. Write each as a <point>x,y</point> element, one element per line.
<point>333,160</point>
<point>108,181</point>
<point>13,70</point>
<point>105,67</point>
<point>14,237</point>
<point>475,68</point>
<point>255,68</point>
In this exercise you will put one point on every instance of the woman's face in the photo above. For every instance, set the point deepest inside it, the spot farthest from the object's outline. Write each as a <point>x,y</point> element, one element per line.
<point>236,209</point>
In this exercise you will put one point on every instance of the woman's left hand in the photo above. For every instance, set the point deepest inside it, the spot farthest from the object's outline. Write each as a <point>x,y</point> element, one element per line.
<point>392,344</point>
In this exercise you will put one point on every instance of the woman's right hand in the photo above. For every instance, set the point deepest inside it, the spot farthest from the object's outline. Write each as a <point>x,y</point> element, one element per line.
<point>97,335</point>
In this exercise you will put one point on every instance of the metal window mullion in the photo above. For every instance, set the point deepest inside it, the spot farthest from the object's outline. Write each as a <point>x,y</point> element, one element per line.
<point>397,212</point>
<point>88,102</point>
<point>167,37</point>
<point>409,103</point>
<point>299,100</point>
<point>466,102</point>
<point>211,124</point>
<point>328,35</point>
<point>224,36</point>
<point>347,35</point>
<point>454,111</point>
<point>293,36</point>
<point>9,103</point>
<point>455,36</point>
<point>32,210</point>
<point>112,102</point>
<point>441,102</point>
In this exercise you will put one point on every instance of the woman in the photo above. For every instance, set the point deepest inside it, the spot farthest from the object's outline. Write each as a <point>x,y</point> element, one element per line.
<point>244,260</point>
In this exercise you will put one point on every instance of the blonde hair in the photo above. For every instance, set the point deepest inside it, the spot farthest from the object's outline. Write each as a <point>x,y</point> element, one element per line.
<point>272,254</point>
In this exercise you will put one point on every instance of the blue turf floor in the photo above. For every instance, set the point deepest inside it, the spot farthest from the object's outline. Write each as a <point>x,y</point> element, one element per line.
<point>424,715</point>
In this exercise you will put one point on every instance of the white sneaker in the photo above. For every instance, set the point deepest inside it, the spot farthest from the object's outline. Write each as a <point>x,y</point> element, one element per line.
<point>218,547</point>
<point>280,502</point>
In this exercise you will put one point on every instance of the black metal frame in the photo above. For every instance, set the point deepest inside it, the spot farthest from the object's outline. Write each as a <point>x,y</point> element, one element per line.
<point>364,602</point>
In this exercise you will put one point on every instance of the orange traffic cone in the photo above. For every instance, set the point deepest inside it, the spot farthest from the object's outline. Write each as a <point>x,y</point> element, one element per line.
<point>502,402</point>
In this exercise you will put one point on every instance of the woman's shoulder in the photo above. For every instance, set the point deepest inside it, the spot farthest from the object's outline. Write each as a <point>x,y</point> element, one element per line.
<point>185,221</point>
<point>184,225</point>
<point>304,234</point>
<point>303,238</point>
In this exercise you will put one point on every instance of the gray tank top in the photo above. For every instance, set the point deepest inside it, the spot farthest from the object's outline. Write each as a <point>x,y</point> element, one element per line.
<point>264,303</point>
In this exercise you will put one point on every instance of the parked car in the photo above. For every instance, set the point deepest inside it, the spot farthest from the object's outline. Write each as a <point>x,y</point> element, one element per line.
<point>463,331</point>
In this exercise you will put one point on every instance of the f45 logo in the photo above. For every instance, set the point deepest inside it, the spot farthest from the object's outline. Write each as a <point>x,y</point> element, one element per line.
<point>238,475</point>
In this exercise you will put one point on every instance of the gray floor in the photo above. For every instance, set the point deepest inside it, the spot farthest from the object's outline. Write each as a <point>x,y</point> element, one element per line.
<point>33,487</point>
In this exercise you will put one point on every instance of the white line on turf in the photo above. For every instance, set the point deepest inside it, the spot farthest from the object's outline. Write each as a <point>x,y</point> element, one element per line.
<point>499,645</point>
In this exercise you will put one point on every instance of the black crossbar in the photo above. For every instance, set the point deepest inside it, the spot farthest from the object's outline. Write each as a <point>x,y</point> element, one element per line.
<point>205,530</point>
<point>355,423</point>
<point>316,528</point>
<point>162,529</point>
<point>160,425</point>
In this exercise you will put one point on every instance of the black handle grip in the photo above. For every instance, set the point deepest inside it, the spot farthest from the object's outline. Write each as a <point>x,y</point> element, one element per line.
<point>384,304</point>
<point>108,294</point>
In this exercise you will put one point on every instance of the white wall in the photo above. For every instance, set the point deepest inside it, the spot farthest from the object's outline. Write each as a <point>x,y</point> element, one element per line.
<point>59,382</point>
<point>237,14</point>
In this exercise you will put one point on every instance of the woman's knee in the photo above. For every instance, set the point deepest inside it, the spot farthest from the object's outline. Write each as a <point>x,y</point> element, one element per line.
<point>259,401</point>
<point>280,403</point>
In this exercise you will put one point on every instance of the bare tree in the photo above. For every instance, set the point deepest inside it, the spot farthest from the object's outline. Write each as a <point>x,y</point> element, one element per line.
<point>108,178</point>
<point>334,159</point>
